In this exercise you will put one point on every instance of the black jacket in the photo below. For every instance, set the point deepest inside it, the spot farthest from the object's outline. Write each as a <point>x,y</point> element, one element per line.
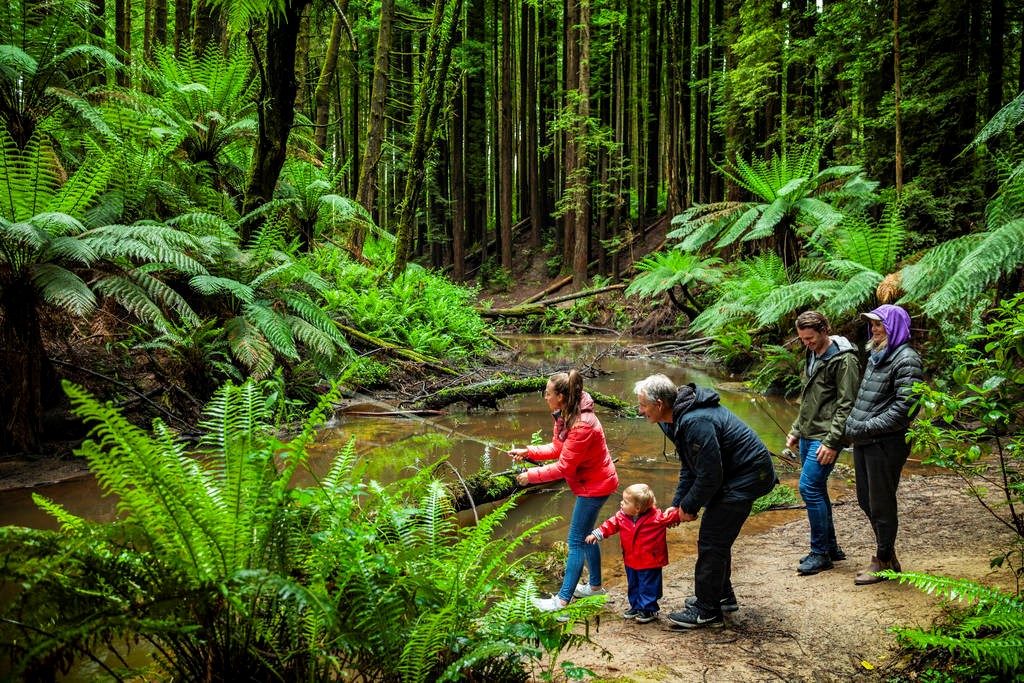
<point>884,402</point>
<point>721,459</point>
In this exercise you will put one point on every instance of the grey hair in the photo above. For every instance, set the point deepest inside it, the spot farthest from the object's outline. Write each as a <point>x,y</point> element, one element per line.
<point>656,388</point>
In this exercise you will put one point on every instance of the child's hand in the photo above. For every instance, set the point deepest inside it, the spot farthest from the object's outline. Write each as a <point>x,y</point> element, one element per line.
<point>591,539</point>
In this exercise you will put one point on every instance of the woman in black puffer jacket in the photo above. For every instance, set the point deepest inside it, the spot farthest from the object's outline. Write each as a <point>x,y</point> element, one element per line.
<point>878,426</point>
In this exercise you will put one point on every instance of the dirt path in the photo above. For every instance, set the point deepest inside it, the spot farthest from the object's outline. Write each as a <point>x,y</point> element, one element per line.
<point>813,628</point>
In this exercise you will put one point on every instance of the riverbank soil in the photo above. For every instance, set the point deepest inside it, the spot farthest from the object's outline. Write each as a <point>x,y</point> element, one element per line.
<point>803,628</point>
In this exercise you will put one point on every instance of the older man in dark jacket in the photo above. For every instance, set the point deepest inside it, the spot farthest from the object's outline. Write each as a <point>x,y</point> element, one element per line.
<point>878,427</point>
<point>723,467</point>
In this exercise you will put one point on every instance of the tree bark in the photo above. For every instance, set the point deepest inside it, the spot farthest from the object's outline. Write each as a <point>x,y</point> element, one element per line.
<point>208,29</point>
<point>123,37</point>
<point>322,93</point>
<point>160,23</point>
<point>456,133</point>
<point>531,135</point>
<point>182,26</point>
<point>275,108</point>
<point>996,58</point>
<point>367,192</point>
<point>652,155</point>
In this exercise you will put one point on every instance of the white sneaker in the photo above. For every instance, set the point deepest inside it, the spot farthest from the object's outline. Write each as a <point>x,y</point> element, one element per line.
<point>585,590</point>
<point>551,604</point>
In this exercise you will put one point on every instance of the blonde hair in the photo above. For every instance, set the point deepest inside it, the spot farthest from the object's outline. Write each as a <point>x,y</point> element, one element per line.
<point>641,495</point>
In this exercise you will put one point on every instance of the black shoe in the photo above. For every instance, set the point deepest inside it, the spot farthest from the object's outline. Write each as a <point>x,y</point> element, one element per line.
<point>631,613</point>
<point>728,604</point>
<point>836,555</point>
<point>645,616</point>
<point>813,564</point>
<point>694,617</point>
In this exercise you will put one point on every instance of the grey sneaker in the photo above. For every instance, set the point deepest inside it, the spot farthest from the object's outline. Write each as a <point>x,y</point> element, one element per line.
<point>694,617</point>
<point>836,555</point>
<point>644,616</point>
<point>631,613</point>
<point>585,590</point>
<point>813,564</point>
<point>728,604</point>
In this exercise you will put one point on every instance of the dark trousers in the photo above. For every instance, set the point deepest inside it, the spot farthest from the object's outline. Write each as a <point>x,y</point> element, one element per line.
<point>719,528</point>
<point>644,588</point>
<point>877,467</point>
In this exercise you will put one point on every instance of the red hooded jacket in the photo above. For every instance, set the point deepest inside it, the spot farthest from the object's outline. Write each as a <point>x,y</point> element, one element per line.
<point>643,539</point>
<point>582,456</point>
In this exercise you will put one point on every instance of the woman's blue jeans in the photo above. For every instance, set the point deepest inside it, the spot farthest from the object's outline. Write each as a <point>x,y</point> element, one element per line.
<point>814,491</point>
<point>584,520</point>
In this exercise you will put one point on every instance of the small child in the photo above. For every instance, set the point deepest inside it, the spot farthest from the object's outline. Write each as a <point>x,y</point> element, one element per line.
<point>641,527</point>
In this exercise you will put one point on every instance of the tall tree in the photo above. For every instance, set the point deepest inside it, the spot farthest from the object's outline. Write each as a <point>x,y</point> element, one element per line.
<point>430,96</point>
<point>275,106</point>
<point>123,38</point>
<point>897,95</point>
<point>505,148</point>
<point>580,174</point>
<point>367,192</point>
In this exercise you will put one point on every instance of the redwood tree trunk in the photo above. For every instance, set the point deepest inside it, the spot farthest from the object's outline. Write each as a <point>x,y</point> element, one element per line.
<point>123,36</point>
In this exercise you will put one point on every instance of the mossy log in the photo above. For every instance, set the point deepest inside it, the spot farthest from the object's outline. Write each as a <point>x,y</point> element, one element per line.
<point>485,487</point>
<point>487,394</point>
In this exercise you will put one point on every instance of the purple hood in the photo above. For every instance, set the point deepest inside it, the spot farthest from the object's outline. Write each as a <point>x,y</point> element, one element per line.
<point>896,322</point>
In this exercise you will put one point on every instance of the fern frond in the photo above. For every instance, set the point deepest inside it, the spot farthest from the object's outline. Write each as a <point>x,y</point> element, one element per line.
<point>274,328</point>
<point>62,288</point>
<point>936,267</point>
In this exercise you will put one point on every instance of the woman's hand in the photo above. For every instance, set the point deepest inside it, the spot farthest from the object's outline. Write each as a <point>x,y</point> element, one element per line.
<point>522,479</point>
<point>517,454</point>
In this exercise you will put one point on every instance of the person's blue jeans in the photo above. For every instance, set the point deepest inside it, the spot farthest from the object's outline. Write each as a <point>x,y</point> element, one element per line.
<point>584,520</point>
<point>814,491</point>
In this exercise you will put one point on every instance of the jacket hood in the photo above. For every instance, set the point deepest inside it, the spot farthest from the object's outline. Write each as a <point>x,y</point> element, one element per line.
<point>842,343</point>
<point>896,322</point>
<point>690,396</point>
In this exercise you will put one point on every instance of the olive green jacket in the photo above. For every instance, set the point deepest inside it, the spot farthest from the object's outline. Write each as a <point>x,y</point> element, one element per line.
<point>828,394</point>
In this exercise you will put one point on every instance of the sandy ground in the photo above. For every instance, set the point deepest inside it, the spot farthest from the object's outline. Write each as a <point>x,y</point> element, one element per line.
<point>804,628</point>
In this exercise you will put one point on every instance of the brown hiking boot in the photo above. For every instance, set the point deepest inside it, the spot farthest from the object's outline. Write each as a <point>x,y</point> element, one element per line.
<point>866,576</point>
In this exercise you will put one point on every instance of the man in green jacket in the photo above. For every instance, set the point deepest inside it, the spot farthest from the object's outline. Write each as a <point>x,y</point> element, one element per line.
<point>830,380</point>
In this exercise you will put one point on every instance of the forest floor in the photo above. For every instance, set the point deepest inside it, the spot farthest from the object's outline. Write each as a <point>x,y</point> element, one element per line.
<point>803,628</point>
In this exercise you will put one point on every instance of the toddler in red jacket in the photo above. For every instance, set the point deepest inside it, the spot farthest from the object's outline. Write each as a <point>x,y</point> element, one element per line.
<point>641,527</point>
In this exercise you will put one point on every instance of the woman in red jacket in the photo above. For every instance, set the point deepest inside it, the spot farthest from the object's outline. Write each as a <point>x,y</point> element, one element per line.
<point>641,527</point>
<point>582,459</point>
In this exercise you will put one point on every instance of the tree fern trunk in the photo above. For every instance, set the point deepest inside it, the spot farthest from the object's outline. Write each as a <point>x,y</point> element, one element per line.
<point>21,364</point>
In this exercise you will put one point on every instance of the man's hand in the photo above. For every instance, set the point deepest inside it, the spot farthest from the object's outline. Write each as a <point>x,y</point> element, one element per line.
<point>826,455</point>
<point>686,516</point>
<point>792,441</point>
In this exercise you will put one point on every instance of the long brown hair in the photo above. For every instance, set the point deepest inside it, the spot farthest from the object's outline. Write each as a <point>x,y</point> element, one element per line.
<point>570,386</point>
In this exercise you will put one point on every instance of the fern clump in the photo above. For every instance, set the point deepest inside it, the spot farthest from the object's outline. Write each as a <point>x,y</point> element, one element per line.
<point>225,570</point>
<point>988,634</point>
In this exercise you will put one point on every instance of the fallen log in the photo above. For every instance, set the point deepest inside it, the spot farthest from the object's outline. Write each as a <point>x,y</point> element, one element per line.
<point>487,394</point>
<point>538,308</point>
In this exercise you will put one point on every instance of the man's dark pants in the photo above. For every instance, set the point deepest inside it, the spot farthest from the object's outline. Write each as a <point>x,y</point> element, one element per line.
<point>719,528</point>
